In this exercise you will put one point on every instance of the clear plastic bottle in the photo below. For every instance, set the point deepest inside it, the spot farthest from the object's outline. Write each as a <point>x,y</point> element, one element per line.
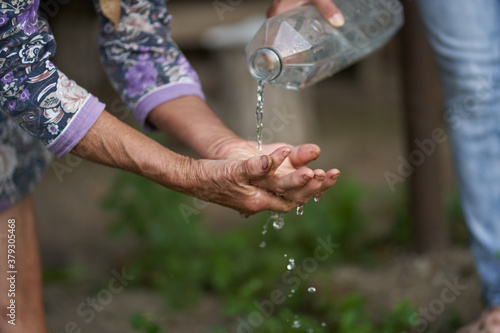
<point>299,47</point>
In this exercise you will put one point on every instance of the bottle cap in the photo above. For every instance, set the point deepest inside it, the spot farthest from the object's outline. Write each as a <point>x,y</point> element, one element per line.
<point>265,64</point>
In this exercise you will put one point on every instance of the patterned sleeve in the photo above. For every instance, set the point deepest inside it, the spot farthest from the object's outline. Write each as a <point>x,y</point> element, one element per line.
<point>34,93</point>
<point>142,61</point>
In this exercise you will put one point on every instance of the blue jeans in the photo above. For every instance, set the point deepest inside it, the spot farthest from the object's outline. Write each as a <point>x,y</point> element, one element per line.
<point>465,36</point>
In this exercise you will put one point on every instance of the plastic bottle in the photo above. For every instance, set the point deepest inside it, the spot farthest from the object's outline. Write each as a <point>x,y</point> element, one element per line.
<point>299,47</point>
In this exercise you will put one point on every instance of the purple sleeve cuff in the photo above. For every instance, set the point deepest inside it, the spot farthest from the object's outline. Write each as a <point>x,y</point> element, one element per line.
<point>79,125</point>
<point>161,95</point>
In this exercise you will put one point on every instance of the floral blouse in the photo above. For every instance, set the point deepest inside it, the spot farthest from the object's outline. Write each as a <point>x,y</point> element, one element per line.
<point>142,62</point>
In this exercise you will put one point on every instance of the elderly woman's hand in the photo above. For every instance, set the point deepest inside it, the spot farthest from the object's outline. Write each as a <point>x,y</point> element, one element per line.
<point>231,181</point>
<point>228,181</point>
<point>326,7</point>
<point>290,179</point>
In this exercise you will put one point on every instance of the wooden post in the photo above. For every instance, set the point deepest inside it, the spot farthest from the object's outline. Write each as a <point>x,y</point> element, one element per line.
<point>423,114</point>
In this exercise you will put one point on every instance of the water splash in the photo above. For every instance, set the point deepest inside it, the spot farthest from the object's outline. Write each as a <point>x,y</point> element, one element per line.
<point>291,264</point>
<point>278,220</point>
<point>264,228</point>
<point>300,210</point>
<point>262,244</point>
<point>296,324</point>
<point>316,199</point>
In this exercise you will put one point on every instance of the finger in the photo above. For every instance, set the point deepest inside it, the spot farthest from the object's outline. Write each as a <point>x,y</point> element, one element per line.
<point>284,183</point>
<point>330,11</point>
<point>331,177</point>
<point>259,166</point>
<point>281,6</point>
<point>265,200</point>
<point>280,204</point>
<point>278,156</point>
<point>310,189</point>
<point>319,175</point>
<point>303,154</point>
<point>256,167</point>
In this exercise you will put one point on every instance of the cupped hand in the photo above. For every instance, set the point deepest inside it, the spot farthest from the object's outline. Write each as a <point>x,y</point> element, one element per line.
<point>326,7</point>
<point>291,179</point>
<point>229,182</point>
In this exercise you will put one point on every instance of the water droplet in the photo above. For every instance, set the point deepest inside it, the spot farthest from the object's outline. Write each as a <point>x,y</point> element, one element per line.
<point>293,291</point>
<point>289,295</point>
<point>286,255</point>
<point>296,324</point>
<point>323,324</point>
<point>310,330</point>
<point>316,199</point>
<point>278,224</point>
<point>291,265</point>
<point>262,244</point>
<point>311,289</point>
<point>278,220</point>
<point>264,228</point>
<point>300,210</point>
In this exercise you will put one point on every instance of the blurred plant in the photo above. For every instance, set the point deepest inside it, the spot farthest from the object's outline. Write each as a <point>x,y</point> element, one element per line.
<point>145,323</point>
<point>183,260</point>
<point>456,219</point>
<point>454,322</point>
<point>71,273</point>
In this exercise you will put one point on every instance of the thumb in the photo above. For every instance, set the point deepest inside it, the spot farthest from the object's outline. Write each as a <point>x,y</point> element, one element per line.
<point>330,12</point>
<point>257,166</point>
<point>303,154</point>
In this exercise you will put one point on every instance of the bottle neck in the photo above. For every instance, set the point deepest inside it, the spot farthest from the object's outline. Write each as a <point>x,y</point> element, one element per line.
<point>265,64</point>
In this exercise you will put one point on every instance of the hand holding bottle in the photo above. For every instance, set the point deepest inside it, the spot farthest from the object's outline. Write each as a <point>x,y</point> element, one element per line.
<point>326,7</point>
<point>300,46</point>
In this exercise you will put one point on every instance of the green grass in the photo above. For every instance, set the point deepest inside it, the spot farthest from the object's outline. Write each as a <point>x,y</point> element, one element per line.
<point>182,260</point>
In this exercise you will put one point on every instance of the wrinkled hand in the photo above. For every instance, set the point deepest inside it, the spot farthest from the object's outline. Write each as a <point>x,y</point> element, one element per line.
<point>326,7</point>
<point>229,182</point>
<point>289,178</point>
